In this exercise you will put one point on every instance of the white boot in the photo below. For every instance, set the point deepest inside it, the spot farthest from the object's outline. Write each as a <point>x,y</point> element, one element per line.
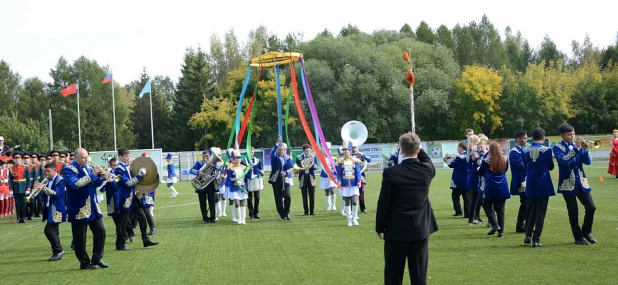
<point>348,215</point>
<point>354,215</point>
<point>174,192</point>
<point>333,201</point>
<point>224,202</point>
<point>328,206</point>
<point>217,210</point>
<point>233,213</point>
<point>243,215</point>
<point>343,208</point>
<point>152,211</point>
<point>239,215</point>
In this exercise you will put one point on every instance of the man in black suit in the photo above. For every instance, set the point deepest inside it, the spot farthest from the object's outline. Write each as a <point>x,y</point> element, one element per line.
<point>404,218</point>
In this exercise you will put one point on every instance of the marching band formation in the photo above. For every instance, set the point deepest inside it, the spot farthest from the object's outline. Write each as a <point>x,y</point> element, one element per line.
<point>65,186</point>
<point>479,176</point>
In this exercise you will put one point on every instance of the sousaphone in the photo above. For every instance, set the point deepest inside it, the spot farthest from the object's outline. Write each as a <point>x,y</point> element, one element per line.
<point>356,133</point>
<point>150,181</point>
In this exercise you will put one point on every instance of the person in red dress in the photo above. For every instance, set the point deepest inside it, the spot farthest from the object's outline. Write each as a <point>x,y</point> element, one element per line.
<point>613,155</point>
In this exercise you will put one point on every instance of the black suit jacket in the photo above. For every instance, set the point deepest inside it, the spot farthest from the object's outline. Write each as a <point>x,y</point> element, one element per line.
<point>404,212</point>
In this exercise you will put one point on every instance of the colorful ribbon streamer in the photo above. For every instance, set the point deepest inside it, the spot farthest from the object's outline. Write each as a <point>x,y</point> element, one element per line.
<point>287,115</point>
<point>278,83</point>
<point>314,113</point>
<point>236,126</point>
<point>306,127</point>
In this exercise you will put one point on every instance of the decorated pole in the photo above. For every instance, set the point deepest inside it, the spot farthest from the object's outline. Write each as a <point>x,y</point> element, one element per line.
<point>410,80</point>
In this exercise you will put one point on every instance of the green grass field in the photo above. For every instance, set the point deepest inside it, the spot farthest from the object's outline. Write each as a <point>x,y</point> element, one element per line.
<point>322,249</point>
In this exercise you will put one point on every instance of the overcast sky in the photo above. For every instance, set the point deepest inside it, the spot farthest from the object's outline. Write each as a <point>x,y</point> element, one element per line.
<point>131,34</point>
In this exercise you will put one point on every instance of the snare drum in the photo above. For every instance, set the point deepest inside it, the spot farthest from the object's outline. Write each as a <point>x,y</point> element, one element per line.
<point>256,184</point>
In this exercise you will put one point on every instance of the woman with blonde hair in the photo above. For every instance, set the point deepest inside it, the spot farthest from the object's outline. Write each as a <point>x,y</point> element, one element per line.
<point>496,189</point>
<point>613,155</point>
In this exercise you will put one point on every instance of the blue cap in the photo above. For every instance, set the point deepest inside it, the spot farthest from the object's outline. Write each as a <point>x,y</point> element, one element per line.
<point>169,156</point>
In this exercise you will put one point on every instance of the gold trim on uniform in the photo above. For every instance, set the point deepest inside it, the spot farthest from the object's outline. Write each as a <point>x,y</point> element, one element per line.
<point>127,202</point>
<point>561,147</point>
<point>83,181</point>
<point>111,207</point>
<point>583,180</point>
<point>55,215</point>
<point>132,182</point>
<point>569,155</point>
<point>522,188</point>
<point>72,167</point>
<point>534,151</point>
<point>149,200</point>
<point>568,184</point>
<point>85,211</point>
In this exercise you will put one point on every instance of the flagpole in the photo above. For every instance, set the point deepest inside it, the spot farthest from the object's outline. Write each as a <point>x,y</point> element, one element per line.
<point>51,132</point>
<point>114,110</point>
<point>79,126</point>
<point>151,125</point>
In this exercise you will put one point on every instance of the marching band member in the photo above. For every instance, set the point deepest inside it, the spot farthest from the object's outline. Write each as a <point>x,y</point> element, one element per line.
<point>349,176</point>
<point>55,211</point>
<point>111,189</point>
<point>476,181</point>
<point>128,201</point>
<point>613,156</point>
<point>306,179</point>
<point>83,210</point>
<point>39,199</point>
<point>255,184</point>
<point>518,179</point>
<point>235,183</point>
<point>571,155</point>
<point>226,193</point>
<point>496,188</point>
<point>18,184</point>
<point>207,195</point>
<point>328,185</point>
<point>5,150</point>
<point>395,157</point>
<point>221,203</point>
<point>4,188</point>
<point>360,156</point>
<point>539,186</point>
<point>281,163</point>
<point>171,175</point>
<point>147,200</point>
<point>459,180</point>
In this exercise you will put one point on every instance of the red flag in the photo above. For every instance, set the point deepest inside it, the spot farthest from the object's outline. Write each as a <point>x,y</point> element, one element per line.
<point>71,89</point>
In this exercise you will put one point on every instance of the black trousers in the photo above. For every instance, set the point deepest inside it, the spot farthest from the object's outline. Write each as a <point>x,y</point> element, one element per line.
<point>536,219</point>
<point>308,206</point>
<point>395,254</point>
<point>572,208</point>
<point>254,203</point>
<point>53,236</point>
<point>476,201</point>
<point>207,196</point>
<point>283,200</point>
<point>125,221</point>
<point>523,213</point>
<point>149,217</point>
<point>361,197</point>
<point>495,208</point>
<point>465,194</point>
<point>79,239</point>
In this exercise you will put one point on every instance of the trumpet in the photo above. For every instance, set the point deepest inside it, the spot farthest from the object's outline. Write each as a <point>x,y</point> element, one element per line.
<point>37,190</point>
<point>448,157</point>
<point>595,143</point>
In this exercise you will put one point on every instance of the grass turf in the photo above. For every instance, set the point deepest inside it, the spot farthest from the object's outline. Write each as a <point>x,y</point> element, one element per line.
<point>322,249</point>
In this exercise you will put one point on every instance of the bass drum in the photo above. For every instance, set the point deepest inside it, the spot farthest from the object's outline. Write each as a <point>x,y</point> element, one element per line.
<point>256,184</point>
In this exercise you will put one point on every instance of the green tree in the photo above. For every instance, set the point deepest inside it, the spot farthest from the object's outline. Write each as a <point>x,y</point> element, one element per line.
<point>9,85</point>
<point>609,56</point>
<point>30,134</point>
<point>445,37</point>
<point>406,31</point>
<point>349,30</point>
<point>549,53</point>
<point>425,34</point>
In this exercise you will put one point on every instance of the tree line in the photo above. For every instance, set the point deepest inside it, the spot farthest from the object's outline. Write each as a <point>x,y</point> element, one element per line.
<point>468,76</point>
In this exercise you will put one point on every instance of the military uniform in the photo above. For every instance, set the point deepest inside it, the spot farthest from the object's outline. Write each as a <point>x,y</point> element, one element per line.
<point>573,185</point>
<point>19,178</point>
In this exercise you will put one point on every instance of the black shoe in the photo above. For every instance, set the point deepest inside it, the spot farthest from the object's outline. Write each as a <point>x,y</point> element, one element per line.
<point>122,248</point>
<point>56,256</point>
<point>493,230</point>
<point>364,211</point>
<point>280,219</point>
<point>256,217</point>
<point>312,214</point>
<point>456,214</point>
<point>29,218</point>
<point>86,267</point>
<point>581,242</point>
<point>21,221</point>
<point>465,217</point>
<point>520,230</point>
<point>480,220</point>
<point>213,221</point>
<point>131,238</point>
<point>152,231</point>
<point>288,217</point>
<point>101,264</point>
<point>527,240</point>
<point>148,243</point>
<point>305,214</point>
<point>536,244</point>
<point>500,234</point>
<point>590,238</point>
<point>205,222</point>
<point>250,217</point>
